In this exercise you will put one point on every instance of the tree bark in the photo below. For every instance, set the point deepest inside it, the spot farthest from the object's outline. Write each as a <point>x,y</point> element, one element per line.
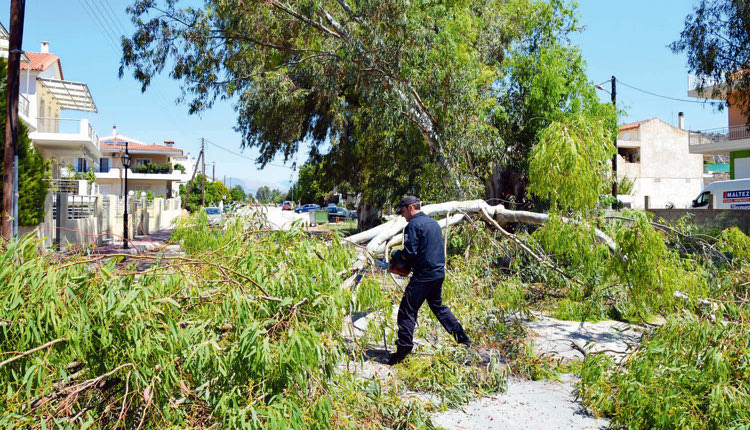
<point>382,237</point>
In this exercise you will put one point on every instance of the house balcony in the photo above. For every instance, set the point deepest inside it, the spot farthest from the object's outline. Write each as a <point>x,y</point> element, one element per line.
<point>23,112</point>
<point>63,137</point>
<point>718,140</point>
<point>118,173</point>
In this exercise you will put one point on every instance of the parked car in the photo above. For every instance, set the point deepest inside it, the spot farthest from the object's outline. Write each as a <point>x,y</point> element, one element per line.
<point>286,206</point>
<point>214,215</point>
<point>340,214</point>
<point>306,208</point>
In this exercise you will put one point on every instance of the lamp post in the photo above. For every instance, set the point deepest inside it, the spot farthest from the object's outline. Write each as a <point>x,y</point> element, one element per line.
<point>126,160</point>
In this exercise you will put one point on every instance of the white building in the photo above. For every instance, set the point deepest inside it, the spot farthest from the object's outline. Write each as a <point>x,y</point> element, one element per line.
<point>656,156</point>
<point>733,140</point>
<point>46,98</point>
<point>165,182</point>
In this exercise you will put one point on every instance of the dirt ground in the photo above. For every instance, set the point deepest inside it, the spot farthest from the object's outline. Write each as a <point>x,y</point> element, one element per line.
<point>528,405</point>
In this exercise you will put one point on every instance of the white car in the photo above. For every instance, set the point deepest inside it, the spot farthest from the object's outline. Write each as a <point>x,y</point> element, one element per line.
<point>214,215</point>
<point>734,194</point>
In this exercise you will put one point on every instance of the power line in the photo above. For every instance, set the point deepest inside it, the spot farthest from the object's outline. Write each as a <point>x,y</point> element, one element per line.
<point>246,157</point>
<point>98,22</point>
<point>106,17</point>
<point>665,97</point>
<point>115,17</point>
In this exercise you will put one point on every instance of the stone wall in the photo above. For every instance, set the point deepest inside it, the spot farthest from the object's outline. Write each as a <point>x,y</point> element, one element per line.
<point>717,219</point>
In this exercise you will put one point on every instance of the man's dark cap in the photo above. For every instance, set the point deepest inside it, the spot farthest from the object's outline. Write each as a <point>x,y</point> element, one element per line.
<point>406,201</point>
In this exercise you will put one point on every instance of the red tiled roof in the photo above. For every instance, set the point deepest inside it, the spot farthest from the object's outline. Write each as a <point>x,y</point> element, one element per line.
<point>133,145</point>
<point>41,62</point>
<point>634,125</point>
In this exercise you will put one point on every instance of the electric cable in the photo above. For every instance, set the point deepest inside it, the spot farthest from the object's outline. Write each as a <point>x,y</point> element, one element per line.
<point>666,97</point>
<point>245,156</point>
<point>98,22</point>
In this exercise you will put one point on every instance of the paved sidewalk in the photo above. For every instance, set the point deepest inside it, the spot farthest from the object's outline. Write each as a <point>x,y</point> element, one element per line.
<point>138,245</point>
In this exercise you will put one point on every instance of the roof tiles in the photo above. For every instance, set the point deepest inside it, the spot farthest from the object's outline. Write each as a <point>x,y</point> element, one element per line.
<point>133,145</point>
<point>40,62</point>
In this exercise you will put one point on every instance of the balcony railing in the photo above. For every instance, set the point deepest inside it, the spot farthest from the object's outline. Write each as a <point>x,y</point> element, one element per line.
<point>23,105</point>
<point>694,83</point>
<point>719,135</point>
<point>66,126</point>
<point>92,135</point>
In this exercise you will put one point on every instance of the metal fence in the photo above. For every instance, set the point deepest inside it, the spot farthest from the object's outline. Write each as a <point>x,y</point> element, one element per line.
<point>718,135</point>
<point>23,104</point>
<point>69,186</point>
<point>80,207</point>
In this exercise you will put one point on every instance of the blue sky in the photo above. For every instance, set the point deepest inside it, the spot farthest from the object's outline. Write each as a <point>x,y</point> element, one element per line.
<point>627,39</point>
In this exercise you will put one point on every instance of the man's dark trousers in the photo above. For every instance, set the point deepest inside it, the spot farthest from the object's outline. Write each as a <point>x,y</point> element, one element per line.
<point>417,292</point>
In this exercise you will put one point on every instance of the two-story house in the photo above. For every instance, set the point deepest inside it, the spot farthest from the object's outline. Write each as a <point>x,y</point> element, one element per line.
<point>655,156</point>
<point>733,140</point>
<point>45,98</point>
<point>153,166</point>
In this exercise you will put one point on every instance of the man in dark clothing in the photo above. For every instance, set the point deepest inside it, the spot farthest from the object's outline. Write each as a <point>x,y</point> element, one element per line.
<point>423,251</point>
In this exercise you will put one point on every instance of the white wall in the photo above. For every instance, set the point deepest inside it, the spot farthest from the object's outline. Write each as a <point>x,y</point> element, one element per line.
<point>741,168</point>
<point>668,173</point>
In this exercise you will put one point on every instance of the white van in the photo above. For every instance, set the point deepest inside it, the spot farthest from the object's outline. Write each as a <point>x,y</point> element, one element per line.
<point>729,195</point>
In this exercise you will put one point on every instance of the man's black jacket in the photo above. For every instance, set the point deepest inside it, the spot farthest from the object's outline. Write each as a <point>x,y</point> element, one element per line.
<point>423,248</point>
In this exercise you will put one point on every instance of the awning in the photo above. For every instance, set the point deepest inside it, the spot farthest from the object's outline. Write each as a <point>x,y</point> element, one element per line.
<point>70,95</point>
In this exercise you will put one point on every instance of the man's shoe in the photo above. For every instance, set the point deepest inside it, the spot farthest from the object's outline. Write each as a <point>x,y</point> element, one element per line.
<point>461,337</point>
<point>399,355</point>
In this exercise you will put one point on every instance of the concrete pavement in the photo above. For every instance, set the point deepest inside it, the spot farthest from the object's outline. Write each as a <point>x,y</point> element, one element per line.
<point>138,245</point>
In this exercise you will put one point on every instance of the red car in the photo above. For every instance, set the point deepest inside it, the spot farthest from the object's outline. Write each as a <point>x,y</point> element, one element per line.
<point>286,206</point>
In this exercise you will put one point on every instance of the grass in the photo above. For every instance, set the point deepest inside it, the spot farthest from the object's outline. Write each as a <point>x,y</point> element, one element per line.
<point>345,228</point>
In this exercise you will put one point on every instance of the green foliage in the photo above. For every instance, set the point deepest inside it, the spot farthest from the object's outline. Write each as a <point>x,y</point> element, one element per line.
<point>713,39</point>
<point>266,195</point>
<point>691,373</point>
<point>625,185</point>
<point>210,334</point>
<point>571,163</point>
<point>734,242</point>
<point>651,271</point>
<point>547,85</point>
<point>214,192</point>
<point>154,168</point>
<point>313,183</point>
<point>238,194</point>
<point>451,87</point>
<point>447,375</point>
<point>32,169</point>
<point>179,167</point>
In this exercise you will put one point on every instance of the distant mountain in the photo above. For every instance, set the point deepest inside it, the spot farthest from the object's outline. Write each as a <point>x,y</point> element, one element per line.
<point>251,185</point>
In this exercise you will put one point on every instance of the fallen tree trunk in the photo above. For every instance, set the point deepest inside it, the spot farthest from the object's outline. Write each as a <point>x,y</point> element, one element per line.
<point>387,235</point>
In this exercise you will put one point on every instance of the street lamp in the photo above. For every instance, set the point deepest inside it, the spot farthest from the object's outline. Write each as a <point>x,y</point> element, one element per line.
<point>126,162</point>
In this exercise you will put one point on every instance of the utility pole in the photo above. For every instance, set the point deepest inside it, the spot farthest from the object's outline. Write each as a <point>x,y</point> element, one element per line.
<point>614,157</point>
<point>10,159</point>
<point>203,176</point>
<point>192,178</point>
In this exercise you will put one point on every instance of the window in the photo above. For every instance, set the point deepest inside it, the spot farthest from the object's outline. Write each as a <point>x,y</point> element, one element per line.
<point>104,165</point>
<point>702,200</point>
<point>141,161</point>
<point>81,165</point>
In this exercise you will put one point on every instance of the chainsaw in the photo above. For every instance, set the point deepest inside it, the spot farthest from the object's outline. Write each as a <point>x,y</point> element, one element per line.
<point>398,265</point>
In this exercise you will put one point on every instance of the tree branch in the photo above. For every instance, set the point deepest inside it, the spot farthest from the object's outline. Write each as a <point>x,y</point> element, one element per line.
<point>33,350</point>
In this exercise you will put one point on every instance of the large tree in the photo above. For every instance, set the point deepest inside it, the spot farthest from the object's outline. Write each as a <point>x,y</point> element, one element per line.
<point>393,96</point>
<point>716,39</point>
